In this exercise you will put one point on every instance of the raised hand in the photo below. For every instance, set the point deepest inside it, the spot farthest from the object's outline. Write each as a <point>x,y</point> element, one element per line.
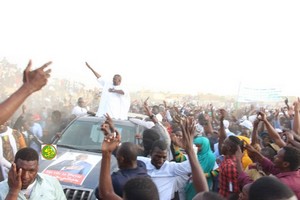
<point>108,126</point>
<point>262,116</point>
<point>296,105</point>
<point>165,104</point>
<point>222,114</point>
<point>24,108</point>
<point>37,78</point>
<point>287,137</point>
<point>146,100</point>
<point>146,107</point>
<point>32,82</point>
<point>94,72</point>
<point>87,64</point>
<point>112,137</point>
<point>276,113</point>
<point>286,102</point>
<point>111,142</point>
<point>188,128</point>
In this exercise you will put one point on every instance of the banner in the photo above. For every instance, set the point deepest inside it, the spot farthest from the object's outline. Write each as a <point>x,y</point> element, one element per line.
<point>248,94</point>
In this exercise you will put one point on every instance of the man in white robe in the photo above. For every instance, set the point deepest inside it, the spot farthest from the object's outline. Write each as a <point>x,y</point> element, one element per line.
<point>115,99</point>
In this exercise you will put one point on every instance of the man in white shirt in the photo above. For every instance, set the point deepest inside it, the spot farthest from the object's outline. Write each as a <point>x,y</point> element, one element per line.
<point>81,109</point>
<point>164,173</point>
<point>115,99</point>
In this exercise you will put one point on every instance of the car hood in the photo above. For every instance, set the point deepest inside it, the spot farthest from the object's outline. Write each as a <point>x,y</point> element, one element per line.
<point>74,168</point>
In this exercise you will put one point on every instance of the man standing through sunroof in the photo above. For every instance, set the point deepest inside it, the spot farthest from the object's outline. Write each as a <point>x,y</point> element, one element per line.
<point>115,99</point>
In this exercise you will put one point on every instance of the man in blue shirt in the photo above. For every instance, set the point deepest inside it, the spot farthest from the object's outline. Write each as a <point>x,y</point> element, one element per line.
<point>129,167</point>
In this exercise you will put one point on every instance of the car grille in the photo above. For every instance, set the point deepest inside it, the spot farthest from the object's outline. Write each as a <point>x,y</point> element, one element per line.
<point>78,193</point>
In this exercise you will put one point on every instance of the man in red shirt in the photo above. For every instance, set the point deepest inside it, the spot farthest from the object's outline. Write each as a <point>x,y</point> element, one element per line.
<point>228,175</point>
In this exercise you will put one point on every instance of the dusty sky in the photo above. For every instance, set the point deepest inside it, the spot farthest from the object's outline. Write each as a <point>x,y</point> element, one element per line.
<point>177,46</point>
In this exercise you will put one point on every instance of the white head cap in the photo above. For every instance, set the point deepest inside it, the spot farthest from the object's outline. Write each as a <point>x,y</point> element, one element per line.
<point>247,124</point>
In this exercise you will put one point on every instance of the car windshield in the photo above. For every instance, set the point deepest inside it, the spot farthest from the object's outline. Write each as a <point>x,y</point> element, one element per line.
<point>87,135</point>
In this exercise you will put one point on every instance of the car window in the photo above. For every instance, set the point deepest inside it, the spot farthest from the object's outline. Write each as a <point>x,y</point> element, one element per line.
<point>76,134</point>
<point>127,133</point>
<point>88,135</point>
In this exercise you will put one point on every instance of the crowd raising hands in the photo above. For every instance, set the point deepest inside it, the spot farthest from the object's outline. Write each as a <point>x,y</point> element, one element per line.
<point>274,133</point>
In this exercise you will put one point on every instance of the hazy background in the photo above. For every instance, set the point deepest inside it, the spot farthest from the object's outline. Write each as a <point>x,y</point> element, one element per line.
<point>177,46</point>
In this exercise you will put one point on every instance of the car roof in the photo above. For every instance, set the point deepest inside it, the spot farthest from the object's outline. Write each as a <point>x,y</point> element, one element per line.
<point>100,120</point>
<point>137,115</point>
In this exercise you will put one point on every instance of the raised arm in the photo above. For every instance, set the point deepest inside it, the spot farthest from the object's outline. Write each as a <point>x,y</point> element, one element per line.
<point>267,165</point>
<point>296,124</point>
<point>276,121</point>
<point>271,131</point>
<point>291,138</point>
<point>32,82</point>
<point>94,72</point>
<point>254,137</point>
<point>208,124</point>
<point>213,115</point>
<point>168,116</point>
<point>188,129</point>
<point>149,113</point>
<point>109,144</point>
<point>222,133</point>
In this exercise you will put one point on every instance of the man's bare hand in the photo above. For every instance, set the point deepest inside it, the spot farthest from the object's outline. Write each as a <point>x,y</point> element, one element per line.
<point>88,65</point>
<point>14,179</point>
<point>108,126</point>
<point>222,114</point>
<point>111,142</point>
<point>37,78</point>
<point>188,128</point>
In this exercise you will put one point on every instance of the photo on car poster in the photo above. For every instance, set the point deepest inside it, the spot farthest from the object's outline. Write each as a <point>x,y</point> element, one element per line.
<point>72,167</point>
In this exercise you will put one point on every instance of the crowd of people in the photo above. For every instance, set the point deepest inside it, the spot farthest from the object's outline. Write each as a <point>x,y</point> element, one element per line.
<point>188,151</point>
<point>236,149</point>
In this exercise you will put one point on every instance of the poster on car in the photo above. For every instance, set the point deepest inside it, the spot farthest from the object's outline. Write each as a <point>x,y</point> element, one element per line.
<point>72,167</point>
